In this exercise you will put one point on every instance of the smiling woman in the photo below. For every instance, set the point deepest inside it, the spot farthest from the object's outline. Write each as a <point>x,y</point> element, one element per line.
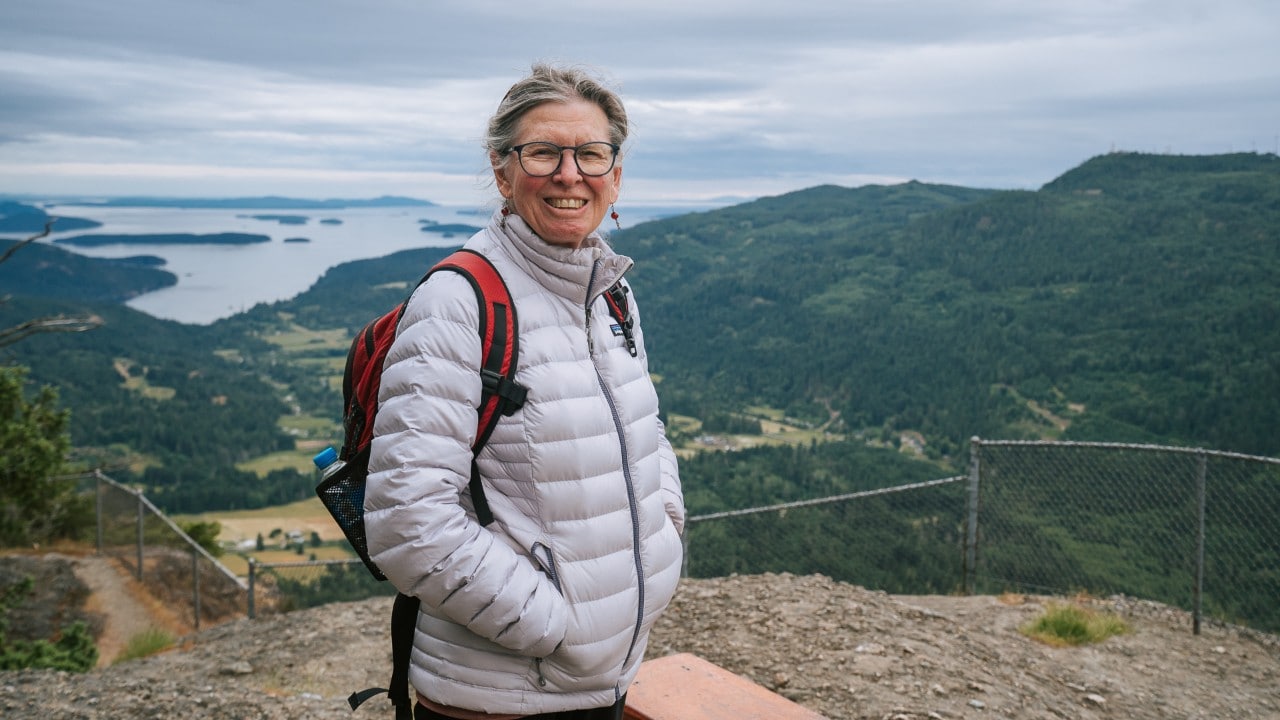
<point>583,551</point>
<point>560,201</point>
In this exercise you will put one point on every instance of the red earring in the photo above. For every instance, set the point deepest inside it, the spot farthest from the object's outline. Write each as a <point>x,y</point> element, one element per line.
<point>614,214</point>
<point>505,212</point>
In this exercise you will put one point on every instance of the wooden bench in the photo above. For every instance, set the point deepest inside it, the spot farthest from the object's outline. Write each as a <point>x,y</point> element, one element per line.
<point>686,687</point>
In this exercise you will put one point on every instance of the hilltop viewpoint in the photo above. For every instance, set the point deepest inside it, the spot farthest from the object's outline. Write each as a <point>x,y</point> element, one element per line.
<point>835,648</point>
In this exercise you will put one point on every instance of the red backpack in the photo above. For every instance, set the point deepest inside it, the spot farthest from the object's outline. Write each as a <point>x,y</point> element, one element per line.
<point>342,490</point>
<point>343,486</point>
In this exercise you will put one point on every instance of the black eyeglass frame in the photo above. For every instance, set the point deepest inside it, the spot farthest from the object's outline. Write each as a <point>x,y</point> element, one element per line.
<point>561,148</point>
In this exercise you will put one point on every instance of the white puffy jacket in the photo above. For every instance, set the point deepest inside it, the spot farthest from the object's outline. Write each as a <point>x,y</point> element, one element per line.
<point>548,608</point>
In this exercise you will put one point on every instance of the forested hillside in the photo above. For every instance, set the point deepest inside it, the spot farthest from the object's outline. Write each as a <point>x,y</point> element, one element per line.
<point>151,401</point>
<point>1131,299</point>
<point>46,271</point>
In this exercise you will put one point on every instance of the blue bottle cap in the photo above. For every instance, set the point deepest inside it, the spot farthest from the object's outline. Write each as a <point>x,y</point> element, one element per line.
<point>325,458</point>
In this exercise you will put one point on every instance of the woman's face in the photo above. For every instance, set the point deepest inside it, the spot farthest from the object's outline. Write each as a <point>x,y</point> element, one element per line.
<point>564,207</point>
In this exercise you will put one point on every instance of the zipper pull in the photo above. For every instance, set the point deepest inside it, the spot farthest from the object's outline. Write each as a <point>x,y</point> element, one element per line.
<point>591,283</point>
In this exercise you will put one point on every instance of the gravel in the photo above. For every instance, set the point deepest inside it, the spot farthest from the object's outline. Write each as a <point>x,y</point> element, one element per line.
<point>835,648</point>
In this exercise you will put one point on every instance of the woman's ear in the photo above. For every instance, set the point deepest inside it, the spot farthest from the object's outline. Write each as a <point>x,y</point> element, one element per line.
<point>500,175</point>
<point>617,184</point>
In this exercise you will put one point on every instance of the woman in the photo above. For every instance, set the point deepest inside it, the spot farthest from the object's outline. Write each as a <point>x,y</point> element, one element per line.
<point>547,609</point>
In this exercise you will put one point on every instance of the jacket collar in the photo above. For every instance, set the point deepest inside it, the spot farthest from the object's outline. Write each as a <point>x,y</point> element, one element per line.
<point>577,274</point>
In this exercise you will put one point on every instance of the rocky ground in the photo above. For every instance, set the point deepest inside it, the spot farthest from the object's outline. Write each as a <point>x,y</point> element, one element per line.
<point>835,648</point>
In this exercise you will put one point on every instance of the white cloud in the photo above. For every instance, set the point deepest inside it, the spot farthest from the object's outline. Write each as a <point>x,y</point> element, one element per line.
<point>323,96</point>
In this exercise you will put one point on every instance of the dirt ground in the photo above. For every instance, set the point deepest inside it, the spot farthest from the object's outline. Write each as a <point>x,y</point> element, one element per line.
<point>835,648</point>
<point>124,604</point>
<point>850,653</point>
<point>97,590</point>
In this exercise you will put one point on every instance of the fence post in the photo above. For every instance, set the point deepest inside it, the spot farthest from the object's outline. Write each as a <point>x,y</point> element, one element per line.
<point>142,509</point>
<point>1197,592</point>
<point>195,585</point>
<point>971,523</point>
<point>97,510</point>
<point>252,575</point>
<point>684,555</point>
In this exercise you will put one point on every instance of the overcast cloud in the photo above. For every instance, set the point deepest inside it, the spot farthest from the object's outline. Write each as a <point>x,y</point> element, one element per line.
<point>741,98</point>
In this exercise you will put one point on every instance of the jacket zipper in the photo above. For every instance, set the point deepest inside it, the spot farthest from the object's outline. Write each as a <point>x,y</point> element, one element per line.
<point>626,474</point>
<point>635,516</point>
<point>591,281</point>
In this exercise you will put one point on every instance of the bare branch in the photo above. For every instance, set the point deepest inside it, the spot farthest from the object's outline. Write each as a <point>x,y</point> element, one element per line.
<point>48,227</point>
<point>60,323</point>
<point>51,324</point>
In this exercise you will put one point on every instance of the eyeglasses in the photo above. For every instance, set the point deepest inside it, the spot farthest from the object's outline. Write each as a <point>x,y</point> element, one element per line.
<point>541,159</point>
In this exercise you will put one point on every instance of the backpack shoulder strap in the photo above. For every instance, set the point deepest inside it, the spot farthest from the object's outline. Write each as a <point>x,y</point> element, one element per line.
<point>499,340</point>
<point>500,350</point>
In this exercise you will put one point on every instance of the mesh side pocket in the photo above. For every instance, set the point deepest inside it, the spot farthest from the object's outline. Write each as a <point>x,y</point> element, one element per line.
<point>342,494</point>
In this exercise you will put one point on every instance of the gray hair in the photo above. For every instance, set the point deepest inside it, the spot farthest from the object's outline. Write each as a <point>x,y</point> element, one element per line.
<point>546,83</point>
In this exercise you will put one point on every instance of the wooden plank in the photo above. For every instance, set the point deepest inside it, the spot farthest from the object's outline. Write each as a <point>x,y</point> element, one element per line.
<point>686,687</point>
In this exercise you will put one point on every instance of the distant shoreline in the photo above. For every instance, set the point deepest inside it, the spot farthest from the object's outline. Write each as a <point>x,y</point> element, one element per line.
<point>249,203</point>
<point>228,238</point>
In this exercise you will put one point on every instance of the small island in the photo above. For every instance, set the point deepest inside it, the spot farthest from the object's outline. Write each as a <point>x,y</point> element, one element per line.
<point>228,238</point>
<point>297,240</point>
<point>448,229</point>
<point>282,219</point>
<point>331,221</point>
<point>141,260</point>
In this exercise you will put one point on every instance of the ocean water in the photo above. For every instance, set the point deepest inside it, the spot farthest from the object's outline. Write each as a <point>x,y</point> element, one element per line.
<point>218,281</point>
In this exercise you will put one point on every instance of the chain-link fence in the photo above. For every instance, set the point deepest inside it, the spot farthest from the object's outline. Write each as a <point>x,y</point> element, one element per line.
<point>903,539</point>
<point>842,536</point>
<point>1190,528</point>
<point>1195,529</point>
<point>282,587</point>
<point>174,568</point>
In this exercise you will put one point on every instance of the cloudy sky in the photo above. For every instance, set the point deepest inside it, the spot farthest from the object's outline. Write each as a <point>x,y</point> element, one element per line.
<point>728,98</point>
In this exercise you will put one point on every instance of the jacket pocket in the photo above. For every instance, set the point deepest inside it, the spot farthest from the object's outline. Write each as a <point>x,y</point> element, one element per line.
<point>547,562</point>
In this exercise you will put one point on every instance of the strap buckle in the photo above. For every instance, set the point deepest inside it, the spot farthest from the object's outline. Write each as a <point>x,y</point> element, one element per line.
<point>511,394</point>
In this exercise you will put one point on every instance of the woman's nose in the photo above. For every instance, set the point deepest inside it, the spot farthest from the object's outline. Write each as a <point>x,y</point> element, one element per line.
<point>567,171</point>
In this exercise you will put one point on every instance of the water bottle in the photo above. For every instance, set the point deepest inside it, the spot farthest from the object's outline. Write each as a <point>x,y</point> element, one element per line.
<point>328,462</point>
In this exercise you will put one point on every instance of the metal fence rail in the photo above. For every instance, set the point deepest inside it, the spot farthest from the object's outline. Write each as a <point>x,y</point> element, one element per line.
<point>898,539</point>
<point>174,568</point>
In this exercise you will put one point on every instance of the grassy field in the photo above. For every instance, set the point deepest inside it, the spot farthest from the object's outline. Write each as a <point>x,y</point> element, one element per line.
<point>299,459</point>
<point>239,563</point>
<point>775,430</point>
<point>301,340</point>
<point>304,516</point>
<point>138,382</point>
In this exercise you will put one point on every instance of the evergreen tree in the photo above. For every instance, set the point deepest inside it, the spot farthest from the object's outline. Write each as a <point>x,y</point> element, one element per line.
<point>35,506</point>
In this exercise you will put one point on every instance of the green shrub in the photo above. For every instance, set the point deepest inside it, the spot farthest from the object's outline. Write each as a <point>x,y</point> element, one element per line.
<point>148,642</point>
<point>1064,624</point>
<point>206,535</point>
<point>74,649</point>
